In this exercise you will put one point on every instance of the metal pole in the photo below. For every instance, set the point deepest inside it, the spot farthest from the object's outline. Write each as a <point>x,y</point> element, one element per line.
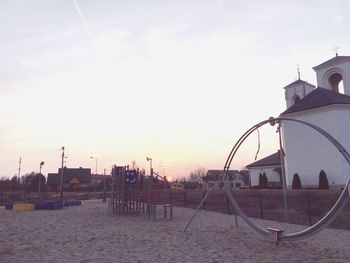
<point>41,165</point>
<point>309,209</point>
<point>61,181</point>
<point>283,175</point>
<point>150,160</point>
<point>199,207</point>
<point>203,195</point>
<point>19,169</point>
<point>39,178</point>
<point>104,186</point>
<point>260,206</point>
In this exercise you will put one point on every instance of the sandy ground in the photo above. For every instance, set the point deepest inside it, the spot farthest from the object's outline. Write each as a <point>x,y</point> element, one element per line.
<point>88,234</point>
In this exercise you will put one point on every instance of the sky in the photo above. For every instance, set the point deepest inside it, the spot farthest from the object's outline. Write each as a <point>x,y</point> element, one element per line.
<point>176,81</point>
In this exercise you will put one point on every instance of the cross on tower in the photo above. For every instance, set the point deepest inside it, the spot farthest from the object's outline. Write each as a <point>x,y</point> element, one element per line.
<point>336,49</point>
<point>298,71</point>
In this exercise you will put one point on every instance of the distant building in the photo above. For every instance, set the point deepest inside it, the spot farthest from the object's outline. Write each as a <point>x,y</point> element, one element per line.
<point>176,186</point>
<point>73,178</point>
<point>235,179</point>
<point>271,166</point>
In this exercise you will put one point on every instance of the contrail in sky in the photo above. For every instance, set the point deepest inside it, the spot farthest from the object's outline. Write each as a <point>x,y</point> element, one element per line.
<point>83,20</point>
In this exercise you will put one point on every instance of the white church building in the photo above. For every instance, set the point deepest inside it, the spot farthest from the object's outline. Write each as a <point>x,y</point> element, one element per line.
<point>328,106</point>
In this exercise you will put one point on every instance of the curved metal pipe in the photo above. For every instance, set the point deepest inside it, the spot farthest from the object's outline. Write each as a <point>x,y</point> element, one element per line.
<point>233,201</point>
<point>327,219</point>
<point>234,150</point>
<point>199,207</point>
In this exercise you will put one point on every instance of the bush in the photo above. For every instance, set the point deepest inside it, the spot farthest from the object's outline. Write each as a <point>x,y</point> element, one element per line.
<point>262,180</point>
<point>265,181</point>
<point>296,184</point>
<point>323,181</point>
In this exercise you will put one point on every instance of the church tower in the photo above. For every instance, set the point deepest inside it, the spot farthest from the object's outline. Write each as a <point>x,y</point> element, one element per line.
<point>334,74</point>
<point>296,91</point>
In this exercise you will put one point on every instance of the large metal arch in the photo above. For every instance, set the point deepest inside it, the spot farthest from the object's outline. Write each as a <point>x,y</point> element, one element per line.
<point>322,223</point>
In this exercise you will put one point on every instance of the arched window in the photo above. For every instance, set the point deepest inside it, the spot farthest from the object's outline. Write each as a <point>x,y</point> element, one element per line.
<point>336,82</point>
<point>341,87</point>
<point>295,99</point>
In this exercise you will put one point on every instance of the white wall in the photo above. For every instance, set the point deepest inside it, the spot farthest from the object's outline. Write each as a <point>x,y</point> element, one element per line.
<point>271,175</point>
<point>307,151</point>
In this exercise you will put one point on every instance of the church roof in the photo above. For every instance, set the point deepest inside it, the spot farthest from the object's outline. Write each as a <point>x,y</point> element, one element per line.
<point>298,82</point>
<point>330,62</point>
<point>319,97</point>
<point>271,160</point>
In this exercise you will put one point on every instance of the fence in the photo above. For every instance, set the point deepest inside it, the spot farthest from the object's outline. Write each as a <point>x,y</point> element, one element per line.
<point>304,206</point>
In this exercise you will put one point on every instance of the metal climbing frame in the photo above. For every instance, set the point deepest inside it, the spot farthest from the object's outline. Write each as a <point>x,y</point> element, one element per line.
<point>157,195</point>
<point>134,193</point>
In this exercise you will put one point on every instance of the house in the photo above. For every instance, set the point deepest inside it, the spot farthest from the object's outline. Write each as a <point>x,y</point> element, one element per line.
<point>73,178</point>
<point>271,166</point>
<point>327,106</point>
<point>176,186</point>
<point>235,178</point>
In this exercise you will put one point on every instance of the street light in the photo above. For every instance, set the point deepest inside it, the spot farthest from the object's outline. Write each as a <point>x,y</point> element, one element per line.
<point>150,160</point>
<point>62,171</point>
<point>41,165</point>
<point>95,165</point>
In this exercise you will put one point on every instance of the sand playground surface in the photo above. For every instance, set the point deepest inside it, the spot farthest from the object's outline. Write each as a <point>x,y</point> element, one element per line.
<point>88,234</point>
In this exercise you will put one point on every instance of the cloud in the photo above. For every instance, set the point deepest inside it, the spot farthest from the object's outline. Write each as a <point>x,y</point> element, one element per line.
<point>36,56</point>
<point>180,85</point>
<point>221,2</point>
<point>338,18</point>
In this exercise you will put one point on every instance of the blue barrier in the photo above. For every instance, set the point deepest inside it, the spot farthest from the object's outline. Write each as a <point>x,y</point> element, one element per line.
<point>49,205</point>
<point>72,203</point>
<point>9,206</point>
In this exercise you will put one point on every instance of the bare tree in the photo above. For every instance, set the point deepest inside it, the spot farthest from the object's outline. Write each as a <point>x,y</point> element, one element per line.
<point>196,175</point>
<point>194,180</point>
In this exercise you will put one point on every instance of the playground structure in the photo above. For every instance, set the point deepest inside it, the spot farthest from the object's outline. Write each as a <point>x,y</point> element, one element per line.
<point>278,234</point>
<point>134,193</point>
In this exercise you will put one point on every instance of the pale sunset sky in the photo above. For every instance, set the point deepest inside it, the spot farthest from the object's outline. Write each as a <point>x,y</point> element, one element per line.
<point>177,81</point>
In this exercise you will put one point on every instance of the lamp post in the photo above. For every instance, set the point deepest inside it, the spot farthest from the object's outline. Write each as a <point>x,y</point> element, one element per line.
<point>150,160</point>
<point>95,164</point>
<point>62,170</point>
<point>19,169</point>
<point>41,165</point>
